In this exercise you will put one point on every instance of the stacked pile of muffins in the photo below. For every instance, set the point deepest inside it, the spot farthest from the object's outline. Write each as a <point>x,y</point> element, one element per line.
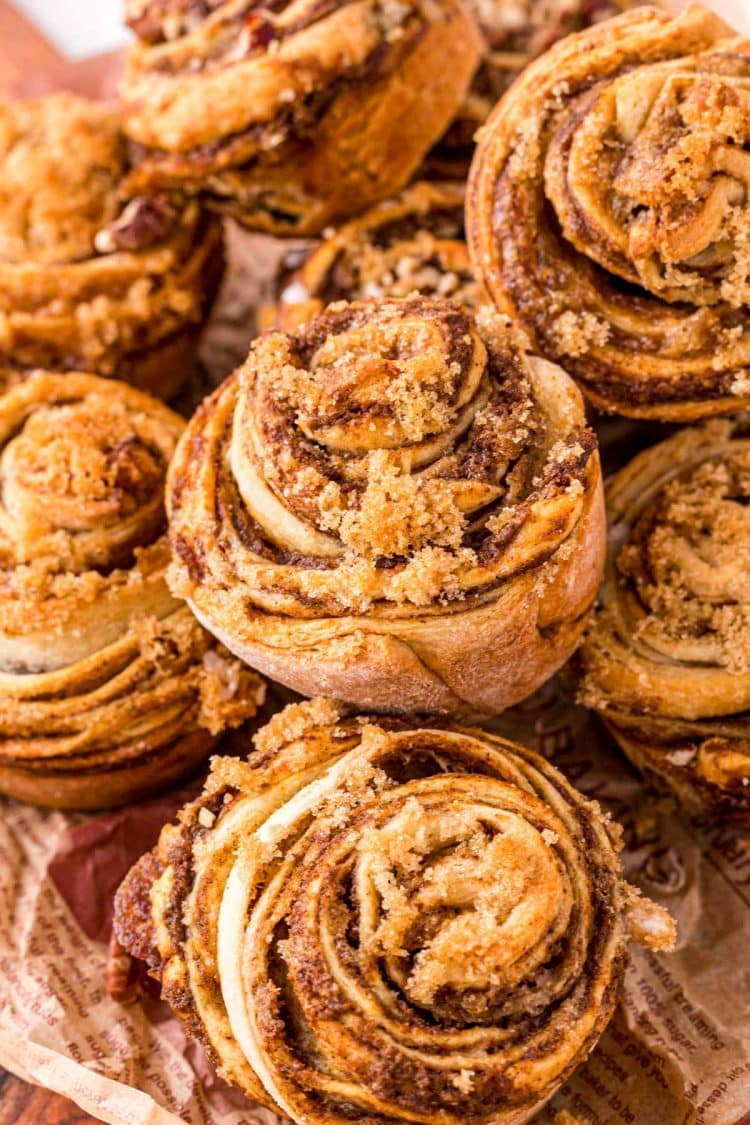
<point>394,506</point>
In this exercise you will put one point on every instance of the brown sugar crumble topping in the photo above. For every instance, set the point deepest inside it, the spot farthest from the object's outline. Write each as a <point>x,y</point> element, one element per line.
<point>689,559</point>
<point>392,893</point>
<point>411,243</point>
<point>398,432</point>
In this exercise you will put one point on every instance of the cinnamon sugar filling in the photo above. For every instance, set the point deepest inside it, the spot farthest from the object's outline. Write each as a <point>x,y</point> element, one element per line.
<point>394,948</point>
<point>298,111</point>
<point>633,168</point>
<point>689,560</point>
<point>394,445</point>
<point>101,670</point>
<point>666,659</point>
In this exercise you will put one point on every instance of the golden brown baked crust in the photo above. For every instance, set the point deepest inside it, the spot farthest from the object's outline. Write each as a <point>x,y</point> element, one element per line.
<point>393,507</point>
<point>88,280</point>
<point>667,659</point>
<point>108,687</point>
<point>413,242</point>
<point>514,33</point>
<point>608,212</point>
<point>293,115</point>
<point>379,922</point>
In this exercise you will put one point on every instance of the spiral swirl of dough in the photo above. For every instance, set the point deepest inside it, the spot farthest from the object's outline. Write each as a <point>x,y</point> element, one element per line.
<point>298,112</point>
<point>369,920</point>
<point>88,280</point>
<point>394,506</point>
<point>108,687</point>
<point>668,655</point>
<point>609,212</point>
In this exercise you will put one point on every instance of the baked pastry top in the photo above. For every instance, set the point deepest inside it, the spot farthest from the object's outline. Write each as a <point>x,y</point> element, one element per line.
<point>88,278</point>
<point>52,206</point>
<point>608,212</point>
<point>514,33</point>
<point>372,920</point>
<point>413,242</point>
<point>394,505</point>
<point>666,660</point>
<point>296,114</point>
<point>108,687</point>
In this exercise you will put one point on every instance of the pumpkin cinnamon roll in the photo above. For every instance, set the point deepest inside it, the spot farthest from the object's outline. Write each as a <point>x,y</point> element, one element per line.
<point>109,688</point>
<point>394,506</point>
<point>412,242</point>
<point>667,660</point>
<point>294,114</point>
<point>609,212</point>
<point>514,33</point>
<point>90,280</point>
<point>374,921</point>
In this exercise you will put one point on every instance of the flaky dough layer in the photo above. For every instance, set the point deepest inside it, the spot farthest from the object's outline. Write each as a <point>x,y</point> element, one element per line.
<point>91,280</point>
<point>300,114</point>
<point>609,215</point>
<point>667,657</point>
<point>109,688</point>
<point>394,507</point>
<point>375,920</point>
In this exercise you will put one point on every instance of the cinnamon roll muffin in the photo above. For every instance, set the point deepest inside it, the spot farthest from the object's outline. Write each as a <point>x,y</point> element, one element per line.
<point>109,688</point>
<point>90,280</point>
<point>514,32</point>
<point>374,921</point>
<point>298,113</point>
<point>667,660</point>
<point>413,242</point>
<point>609,212</point>
<point>392,506</point>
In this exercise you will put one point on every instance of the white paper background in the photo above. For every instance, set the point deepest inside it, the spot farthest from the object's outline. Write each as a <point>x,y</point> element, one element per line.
<point>82,28</point>
<point>78,28</point>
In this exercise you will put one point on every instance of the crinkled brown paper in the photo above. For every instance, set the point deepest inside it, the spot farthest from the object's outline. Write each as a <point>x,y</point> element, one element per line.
<point>677,1052</point>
